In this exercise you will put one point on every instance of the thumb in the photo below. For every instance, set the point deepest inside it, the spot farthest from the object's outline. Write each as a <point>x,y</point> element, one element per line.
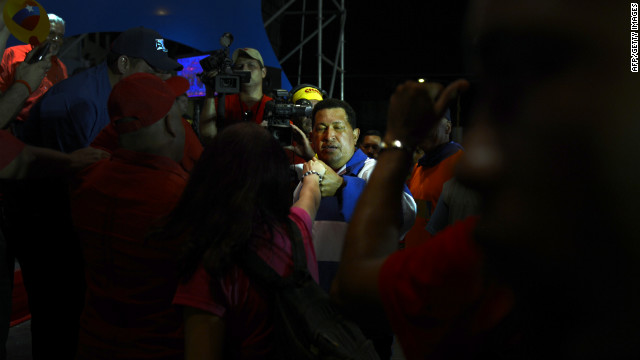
<point>449,94</point>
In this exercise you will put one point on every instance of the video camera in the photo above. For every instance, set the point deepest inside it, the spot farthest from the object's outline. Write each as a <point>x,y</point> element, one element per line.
<point>228,80</point>
<point>279,112</point>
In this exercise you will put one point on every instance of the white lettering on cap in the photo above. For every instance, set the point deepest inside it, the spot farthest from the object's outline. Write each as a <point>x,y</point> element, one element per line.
<point>160,45</point>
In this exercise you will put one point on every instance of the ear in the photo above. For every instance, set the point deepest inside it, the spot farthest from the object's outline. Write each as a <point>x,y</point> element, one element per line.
<point>168,126</point>
<point>264,72</point>
<point>356,135</point>
<point>171,125</point>
<point>124,64</point>
<point>447,128</point>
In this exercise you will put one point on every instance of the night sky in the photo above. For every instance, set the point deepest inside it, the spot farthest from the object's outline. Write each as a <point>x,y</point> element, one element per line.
<point>385,45</point>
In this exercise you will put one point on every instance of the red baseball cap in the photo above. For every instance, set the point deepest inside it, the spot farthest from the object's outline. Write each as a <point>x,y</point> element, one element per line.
<point>144,97</point>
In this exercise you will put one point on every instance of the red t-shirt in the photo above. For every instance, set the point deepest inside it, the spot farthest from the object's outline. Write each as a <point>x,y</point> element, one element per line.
<point>12,57</point>
<point>130,279</point>
<point>107,140</point>
<point>436,298</point>
<point>241,304</point>
<point>237,111</point>
<point>10,147</point>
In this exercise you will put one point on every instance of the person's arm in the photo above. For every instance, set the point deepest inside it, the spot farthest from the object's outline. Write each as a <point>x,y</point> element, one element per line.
<point>374,229</point>
<point>27,79</point>
<point>440,217</point>
<point>40,162</point>
<point>309,198</point>
<point>4,31</point>
<point>203,335</point>
<point>301,146</point>
<point>208,113</point>
<point>332,182</point>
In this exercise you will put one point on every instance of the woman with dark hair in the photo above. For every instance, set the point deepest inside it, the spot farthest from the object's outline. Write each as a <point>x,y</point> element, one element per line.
<point>237,200</point>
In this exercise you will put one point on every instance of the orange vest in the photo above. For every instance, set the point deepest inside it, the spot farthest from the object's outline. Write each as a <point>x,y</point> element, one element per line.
<point>425,185</point>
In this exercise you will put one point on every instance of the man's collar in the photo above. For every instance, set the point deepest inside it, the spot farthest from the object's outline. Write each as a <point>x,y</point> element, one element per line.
<point>353,165</point>
<point>439,153</point>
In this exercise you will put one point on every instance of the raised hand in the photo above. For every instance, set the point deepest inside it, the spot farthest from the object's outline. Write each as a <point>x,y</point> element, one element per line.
<point>33,73</point>
<point>415,108</point>
<point>302,145</point>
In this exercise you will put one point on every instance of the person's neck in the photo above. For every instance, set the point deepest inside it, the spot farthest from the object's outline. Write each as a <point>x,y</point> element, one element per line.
<point>113,77</point>
<point>251,95</point>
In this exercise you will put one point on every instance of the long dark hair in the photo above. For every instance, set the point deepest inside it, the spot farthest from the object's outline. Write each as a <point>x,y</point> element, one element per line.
<point>239,185</point>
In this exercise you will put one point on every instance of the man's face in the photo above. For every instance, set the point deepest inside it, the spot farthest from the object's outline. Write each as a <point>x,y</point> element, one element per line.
<point>557,113</point>
<point>248,64</point>
<point>438,135</point>
<point>56,37</point>
<point>332,138</point>
<point>371,145</point>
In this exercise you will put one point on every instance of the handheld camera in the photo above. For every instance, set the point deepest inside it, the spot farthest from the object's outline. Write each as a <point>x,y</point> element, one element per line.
<point>40,54</point>
<point>278,114</point>
<point>228,80</point>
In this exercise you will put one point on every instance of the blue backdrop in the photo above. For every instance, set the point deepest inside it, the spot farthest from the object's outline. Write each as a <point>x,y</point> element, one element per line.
<point>196,23</point>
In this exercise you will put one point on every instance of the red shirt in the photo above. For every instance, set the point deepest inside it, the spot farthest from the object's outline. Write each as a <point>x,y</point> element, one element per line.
<point>15,55</point>
<point>130,280</point>
<point>436,298</point>
<point>235,110</point>
<point>10,147</point>
<point>242,305</point>
<point>107,140</point>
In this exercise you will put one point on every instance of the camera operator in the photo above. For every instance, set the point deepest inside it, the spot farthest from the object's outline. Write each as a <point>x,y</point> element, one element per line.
<point>303,95</point>
<point>247,105</point>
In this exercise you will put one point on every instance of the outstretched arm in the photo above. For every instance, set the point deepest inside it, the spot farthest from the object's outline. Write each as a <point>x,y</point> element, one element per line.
<point>204,335</point>
<point>309,199</point>
<point>26,80</point>
<point>375,226</point>
<point>208,114</point>
<point>41,162</point>
<point>4,31</point>
<point>302,146</point>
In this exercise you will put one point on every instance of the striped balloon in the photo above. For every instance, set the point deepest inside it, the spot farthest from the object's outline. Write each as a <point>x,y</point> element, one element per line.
<point>26,20</point>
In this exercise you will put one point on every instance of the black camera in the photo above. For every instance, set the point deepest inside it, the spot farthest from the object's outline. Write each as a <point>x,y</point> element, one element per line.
<point>40,54</point>
<point>278,114</point>
<point>228,80</point>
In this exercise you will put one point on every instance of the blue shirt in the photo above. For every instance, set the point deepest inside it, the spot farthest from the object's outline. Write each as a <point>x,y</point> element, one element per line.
<point>335,213</point>
<point>72,113</point>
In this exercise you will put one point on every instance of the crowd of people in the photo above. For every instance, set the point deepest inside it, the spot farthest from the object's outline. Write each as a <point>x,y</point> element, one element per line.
<point>515,243</point>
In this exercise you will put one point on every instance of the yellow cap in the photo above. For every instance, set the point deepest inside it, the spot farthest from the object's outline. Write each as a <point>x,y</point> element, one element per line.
<point>309,93</point>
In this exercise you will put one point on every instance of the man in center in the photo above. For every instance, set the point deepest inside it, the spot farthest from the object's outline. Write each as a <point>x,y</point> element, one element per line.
<point>333,138</point>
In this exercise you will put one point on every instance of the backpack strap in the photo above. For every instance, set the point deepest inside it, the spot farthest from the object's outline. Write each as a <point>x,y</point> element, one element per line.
<point>259,270</point>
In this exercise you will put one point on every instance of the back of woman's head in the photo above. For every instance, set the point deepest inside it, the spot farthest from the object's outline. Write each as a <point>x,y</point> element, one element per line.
<point>245,162</point>
<point>240,182</point>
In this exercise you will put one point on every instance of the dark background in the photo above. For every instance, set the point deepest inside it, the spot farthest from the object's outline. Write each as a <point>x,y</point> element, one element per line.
<point>385,45</point>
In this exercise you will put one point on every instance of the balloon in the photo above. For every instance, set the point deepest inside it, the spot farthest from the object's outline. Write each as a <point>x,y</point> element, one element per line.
<point>27,20</point>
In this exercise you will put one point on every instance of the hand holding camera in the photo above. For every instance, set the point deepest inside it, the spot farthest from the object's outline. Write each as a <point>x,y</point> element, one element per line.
<point>33,71</point>
<point>217,71</point>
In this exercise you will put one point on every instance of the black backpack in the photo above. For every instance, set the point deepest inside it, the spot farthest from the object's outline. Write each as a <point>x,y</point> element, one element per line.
<point>307,324</point>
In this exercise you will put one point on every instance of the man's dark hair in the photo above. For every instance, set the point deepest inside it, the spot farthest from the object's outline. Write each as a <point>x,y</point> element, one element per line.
<point>333,104</point>
<point>372,133</point>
